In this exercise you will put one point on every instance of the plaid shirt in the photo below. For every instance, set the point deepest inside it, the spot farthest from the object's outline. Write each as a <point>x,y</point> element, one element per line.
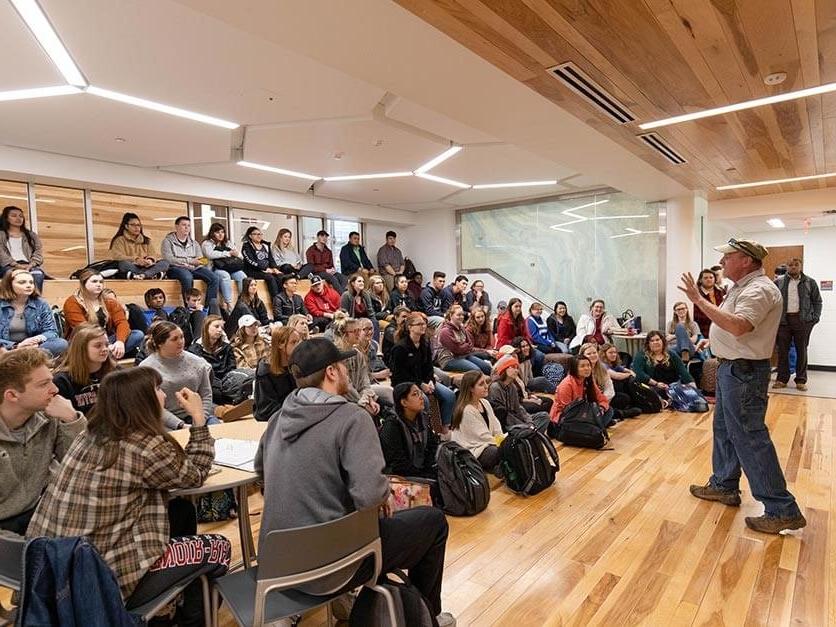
<point>122,510</point>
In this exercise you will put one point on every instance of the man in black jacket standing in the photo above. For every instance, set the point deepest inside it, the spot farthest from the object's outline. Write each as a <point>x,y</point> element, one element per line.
<point>802,310</point>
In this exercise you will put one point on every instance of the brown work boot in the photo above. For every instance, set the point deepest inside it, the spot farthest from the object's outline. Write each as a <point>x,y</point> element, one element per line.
<point>778,385</point>
<point>710,493</point>
<point>774,524</point>
<point>801,386</point>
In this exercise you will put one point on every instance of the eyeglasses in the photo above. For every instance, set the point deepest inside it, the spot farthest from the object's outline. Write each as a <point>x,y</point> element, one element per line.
<point>256,234</point>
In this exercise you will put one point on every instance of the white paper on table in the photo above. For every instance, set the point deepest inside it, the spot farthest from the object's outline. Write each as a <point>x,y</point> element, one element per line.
<point>236,453</point>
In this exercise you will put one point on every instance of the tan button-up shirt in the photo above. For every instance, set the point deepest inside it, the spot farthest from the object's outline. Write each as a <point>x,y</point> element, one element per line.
<point>757,299</point>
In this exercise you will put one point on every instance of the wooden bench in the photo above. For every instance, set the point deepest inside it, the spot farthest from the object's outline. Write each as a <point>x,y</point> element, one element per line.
<point>57,291</point>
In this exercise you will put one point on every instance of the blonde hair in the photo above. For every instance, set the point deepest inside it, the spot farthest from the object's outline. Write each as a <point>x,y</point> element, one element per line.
<point>89,306</point>
<point>75,361</point>
<point>294,319</point>
<point>599,372</point>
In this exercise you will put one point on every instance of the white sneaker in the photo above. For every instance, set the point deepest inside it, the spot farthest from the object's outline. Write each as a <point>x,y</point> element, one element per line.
<point>446,619</point>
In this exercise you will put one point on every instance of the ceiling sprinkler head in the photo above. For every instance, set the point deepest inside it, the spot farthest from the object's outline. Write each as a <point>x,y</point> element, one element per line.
<point>776,78</point>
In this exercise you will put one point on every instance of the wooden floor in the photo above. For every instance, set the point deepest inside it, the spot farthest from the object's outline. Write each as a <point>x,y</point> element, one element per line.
<point>619,540</point>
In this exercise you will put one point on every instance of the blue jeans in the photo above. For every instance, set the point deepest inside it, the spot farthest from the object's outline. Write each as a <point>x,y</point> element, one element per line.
<point>132,343</point>
<point>225,281</point>
<point>446,400</point>
<point>56,346</point>
<point>741,438</point>
<point>160,267</point>
<point>470,362</point>
<point>683,341</point>
<point>537,361</point>
<point>186,278</point>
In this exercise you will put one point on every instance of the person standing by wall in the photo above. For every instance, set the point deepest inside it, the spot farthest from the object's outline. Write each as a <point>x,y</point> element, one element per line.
<point>802,305</point>
<point>742,337</point>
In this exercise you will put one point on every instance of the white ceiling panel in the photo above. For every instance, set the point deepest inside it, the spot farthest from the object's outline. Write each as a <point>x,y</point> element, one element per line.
<point>498,164</point>
<point>417,207</point>
<point>164,51</point>
<point>237,174</point>
<point>24,63</point>
<point>475,197</point>
<point>406,111</point>
<point>88,126</point>
<point>365,147</point>
<point>408,189</point>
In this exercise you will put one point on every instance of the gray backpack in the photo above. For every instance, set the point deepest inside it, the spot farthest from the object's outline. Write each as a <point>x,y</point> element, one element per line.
<point>464,488</point>
<point>411,608</point>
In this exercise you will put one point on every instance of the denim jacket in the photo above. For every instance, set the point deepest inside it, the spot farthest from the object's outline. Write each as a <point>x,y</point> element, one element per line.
<point>66,582</point>
<point>809,298</point>
<point>38,317</point>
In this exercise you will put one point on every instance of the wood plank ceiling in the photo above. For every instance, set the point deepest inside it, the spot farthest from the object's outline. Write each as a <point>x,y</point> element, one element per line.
<point>662,58</point>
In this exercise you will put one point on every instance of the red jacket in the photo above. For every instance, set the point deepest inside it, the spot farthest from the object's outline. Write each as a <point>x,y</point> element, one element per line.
<point>455,339</point>
<point>506,330</point>
<point>321,260</point>
<point>318,304</point>
<point>571,389</point>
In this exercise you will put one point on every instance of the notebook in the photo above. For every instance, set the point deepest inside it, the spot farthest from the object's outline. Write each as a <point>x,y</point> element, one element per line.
<point>238,454</point>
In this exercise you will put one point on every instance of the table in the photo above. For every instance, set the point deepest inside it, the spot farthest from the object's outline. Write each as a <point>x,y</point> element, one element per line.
<point>634,343</point>
<point>230,478</point>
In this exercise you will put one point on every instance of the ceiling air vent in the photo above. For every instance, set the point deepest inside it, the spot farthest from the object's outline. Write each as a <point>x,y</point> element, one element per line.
<point>662,147</point>
<point>576,80</point>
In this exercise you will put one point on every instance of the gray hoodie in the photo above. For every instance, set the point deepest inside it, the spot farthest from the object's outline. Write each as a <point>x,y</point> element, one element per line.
<point>175,252</point>
<point>320,459</point>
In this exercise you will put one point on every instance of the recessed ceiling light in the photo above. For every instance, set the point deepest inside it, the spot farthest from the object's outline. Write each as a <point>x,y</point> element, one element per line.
<point>776,223</point>
<point>36,20</point>
<point>520,184</point>
<point>162,108</point>
<point>39,92</point>
<point>121,140</point>
<point>775,181</point>
<point>429,165</point>
<point>269,168</point>
<point>441,179</point>
<point>360,177</point>
<point>739,106</point>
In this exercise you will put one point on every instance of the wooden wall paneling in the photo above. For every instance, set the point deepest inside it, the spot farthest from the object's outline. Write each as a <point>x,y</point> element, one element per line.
<point>804,20</point>
<point>62,229</point>
<point>14,194</point>
<point>157,216</point>
<point>826,36</point>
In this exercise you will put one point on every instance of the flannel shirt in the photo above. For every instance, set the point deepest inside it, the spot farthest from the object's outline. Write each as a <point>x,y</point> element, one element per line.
<point>123,510</point>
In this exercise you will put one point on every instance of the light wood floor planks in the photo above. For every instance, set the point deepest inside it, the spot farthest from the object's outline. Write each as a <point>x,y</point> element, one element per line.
<point>620,541</point>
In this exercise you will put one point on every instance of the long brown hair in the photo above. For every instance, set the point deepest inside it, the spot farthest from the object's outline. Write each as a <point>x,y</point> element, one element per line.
<point>675,318</point>
<point>278,242</point>
<point>89,305</point>
<point>204,335</point>
<point>126,406</point>
<point>469,381</point>
<point>279,358</point>
<point>7,291</point>
<point>475,329</point>
<point>244,296</point>
<point>158,334</point>
<point>649,355</point>
<point>588,383</point>
<point>75,361</point>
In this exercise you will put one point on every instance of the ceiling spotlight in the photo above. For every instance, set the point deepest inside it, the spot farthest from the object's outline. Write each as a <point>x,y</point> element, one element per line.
<point>429,165</point>
<point>269,168</point>
<point>38,23</point>
<point>162,108</point>
<point>520,184</point>
<point>338,155</point>
<point>360,177</point>
<point>776,223</point>
<point>39,92</point>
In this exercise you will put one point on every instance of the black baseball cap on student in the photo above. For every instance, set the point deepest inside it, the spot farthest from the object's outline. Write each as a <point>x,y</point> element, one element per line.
<point>314,355</point>
<point>318,233</point>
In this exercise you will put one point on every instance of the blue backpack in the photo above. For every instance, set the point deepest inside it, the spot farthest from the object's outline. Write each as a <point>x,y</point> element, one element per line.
<point>686,398</point>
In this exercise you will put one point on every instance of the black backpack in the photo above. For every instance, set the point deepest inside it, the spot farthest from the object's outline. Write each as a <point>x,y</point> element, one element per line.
<point>644,397</point>
<point>411,608</point>
<point>581,424</point>
<point>529,460</point>
<point>182,318</point>
<point>461,481</point>
<point>60,321</point>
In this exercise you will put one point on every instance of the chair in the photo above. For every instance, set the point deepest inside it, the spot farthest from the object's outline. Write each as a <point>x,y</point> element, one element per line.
<point>11,560</point>
<point>329,553</point>
<point>152,607</point>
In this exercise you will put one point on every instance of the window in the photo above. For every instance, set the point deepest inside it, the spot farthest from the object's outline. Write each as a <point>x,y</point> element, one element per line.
<point>207,215</point>
<point>339,230</point>
<point>269,223</point>
<point>61,227</point>
<point>308,230</point>
<point>157,218</point>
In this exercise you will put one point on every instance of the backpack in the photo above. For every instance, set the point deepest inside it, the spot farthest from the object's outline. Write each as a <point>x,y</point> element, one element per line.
<point>60,321</point>
<point>529,460</point>
<point>182,318</point>
<point>216,506</point>
<point>107,268</point>
<point>685,398</point>
<point>136,317</point>
<point>411,608</point>
<point>582,424</point>
<point>554,373</point>
<point>708,382</point>
<point>644,397</point>
<point>461,481</point>
<point>409,270</point>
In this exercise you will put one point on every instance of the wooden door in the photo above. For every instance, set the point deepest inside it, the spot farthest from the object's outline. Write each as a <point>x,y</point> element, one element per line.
<point>779,255</point>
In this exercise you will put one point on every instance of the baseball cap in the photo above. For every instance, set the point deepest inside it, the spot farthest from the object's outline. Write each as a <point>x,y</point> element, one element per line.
<point>315,279</point>
<point>246,320</point>
<point>322,232</point>
<point>502,305</point>
<point>745,246</point>
<point>314,355</point>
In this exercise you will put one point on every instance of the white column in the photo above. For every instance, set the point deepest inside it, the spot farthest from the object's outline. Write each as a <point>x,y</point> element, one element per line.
<point>683,245</point>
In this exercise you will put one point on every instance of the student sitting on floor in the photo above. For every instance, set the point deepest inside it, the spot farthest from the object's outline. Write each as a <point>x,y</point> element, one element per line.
<point>561,324</point>
<point>248,344</point>
<point>113,488</point>
<point>249,303</point>
<point>578,385</point>
<point>621,403</point>
<point>480,331</point>
<point>26,319</point>
<point>88,305</point>
<point>475,426</point>
<point>85,364</point>
<point>504,397</point>
<point>36,429</point>
<point>273,381</point>
<point>317,425</point>
<point>658,366</point>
